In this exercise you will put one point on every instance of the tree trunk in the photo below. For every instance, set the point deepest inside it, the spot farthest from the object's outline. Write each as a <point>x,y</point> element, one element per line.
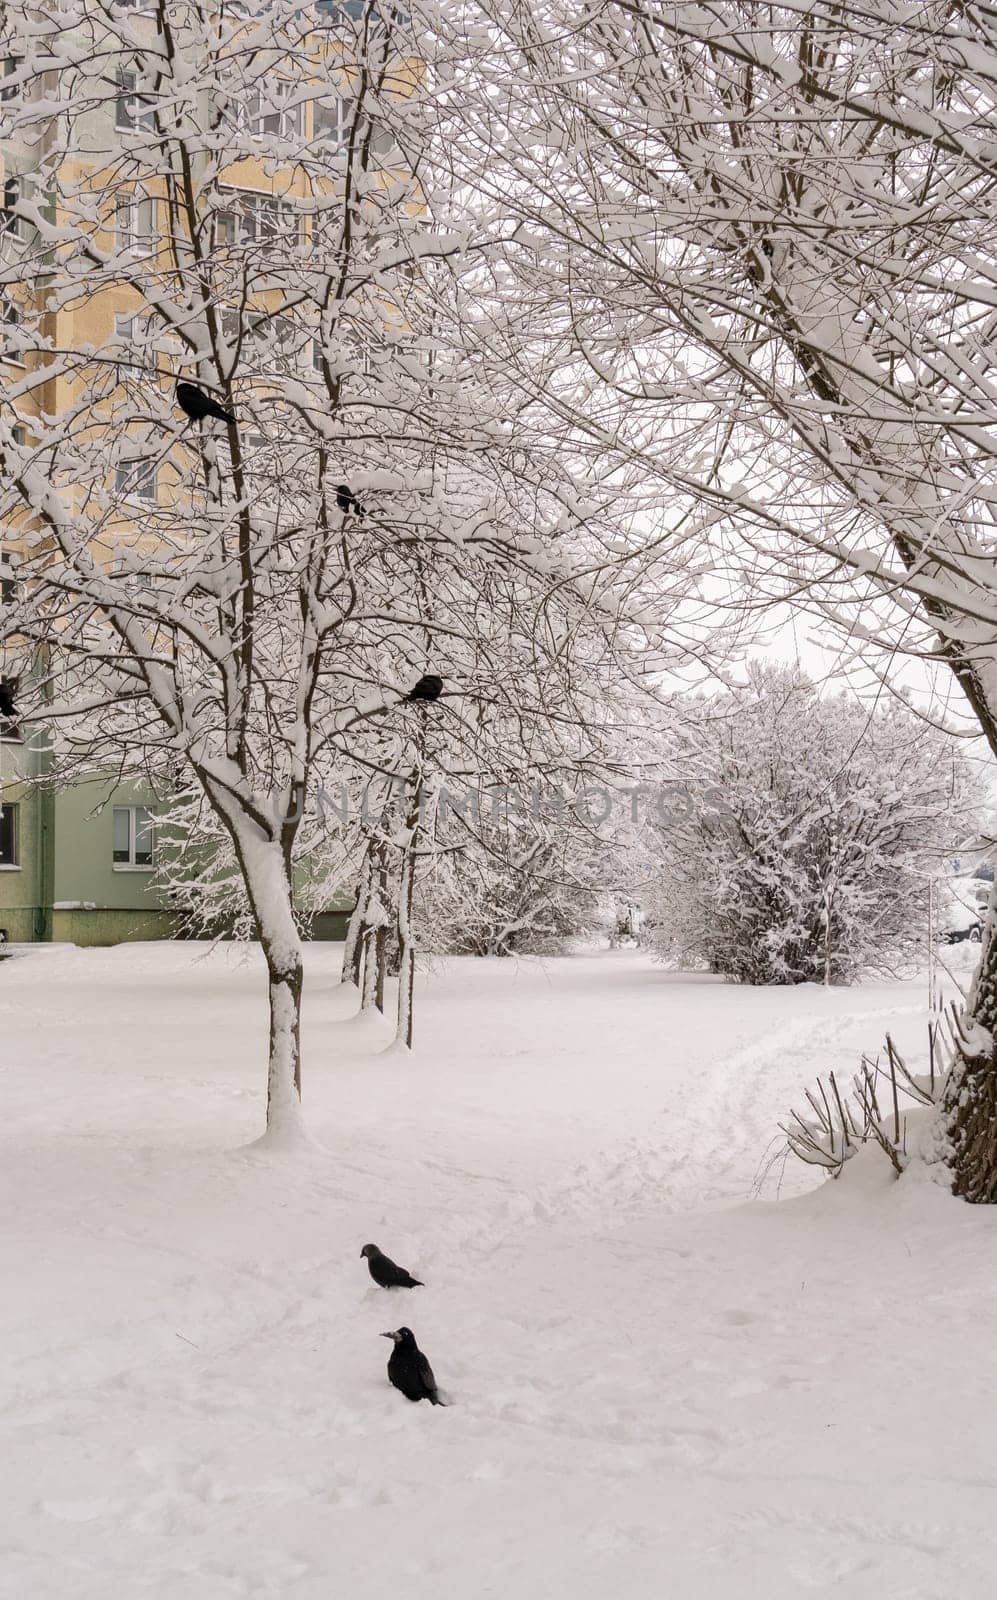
<point>381,936</point>
<point>406,940</point>
<point>971,1098</point>
<point>368,994</point>
<point>353,948</point>
<point>268,887</point>
<point>285,977</point>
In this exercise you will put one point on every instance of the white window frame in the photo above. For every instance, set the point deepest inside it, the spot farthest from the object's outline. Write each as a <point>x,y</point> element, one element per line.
<point>351,350</point>
<point>131,232</point>
<point>136,581</point>
<point>10,91</point>
<point>248,208</point>
<point>332,12</point>
<point>128,120</point>
<point>327,132</point>
<point>135,479</point>
<point>10,317</point>
<point>125,331</point>
<point>15,865</point>
<point>131,865</point>
<point>287,344</point>
<point>287,118</point>
<point>8,579</point>
<point>10,226</point>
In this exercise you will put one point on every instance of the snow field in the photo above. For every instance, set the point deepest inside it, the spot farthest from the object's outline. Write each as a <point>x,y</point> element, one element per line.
<point>657,1389</point>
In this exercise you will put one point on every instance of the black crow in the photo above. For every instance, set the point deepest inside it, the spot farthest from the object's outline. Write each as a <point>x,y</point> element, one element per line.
<point>409,1370</point>
<point>347,501</point>
<point>386,1273</point>
<point>429,687</point>
<point>199,405</point>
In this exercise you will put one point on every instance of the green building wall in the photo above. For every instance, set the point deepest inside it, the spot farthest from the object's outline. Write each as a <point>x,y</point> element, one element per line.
<point>67,887</point>
<point>26,889</point>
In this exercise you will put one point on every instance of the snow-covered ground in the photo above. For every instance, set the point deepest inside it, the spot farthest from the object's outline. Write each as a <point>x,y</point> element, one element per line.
<point>663,1387</point>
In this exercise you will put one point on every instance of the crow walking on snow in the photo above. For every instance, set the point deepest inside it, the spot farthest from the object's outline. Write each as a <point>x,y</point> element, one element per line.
<point>386,1273</point>
<point>429,687</point>
<point>199,405</point>
<point>409,1370</point>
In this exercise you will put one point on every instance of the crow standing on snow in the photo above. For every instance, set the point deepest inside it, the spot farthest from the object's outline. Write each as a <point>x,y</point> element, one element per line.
<point>429,687</point>
<point>347,501</point>
<point>386,1273</point>
<point>409,1370</point>
<point>199,405</point>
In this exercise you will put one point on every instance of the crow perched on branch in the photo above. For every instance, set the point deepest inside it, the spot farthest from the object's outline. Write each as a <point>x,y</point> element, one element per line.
<point>409,1370</point>
<point>386,1273</point>
<point>429,687</point>
<point>199,405</point>
<point>347,501</point>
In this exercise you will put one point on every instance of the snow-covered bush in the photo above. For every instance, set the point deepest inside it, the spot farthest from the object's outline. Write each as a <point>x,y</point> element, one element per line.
<point>811,856</point>
<point>511,890</point>
<point>876,1108</point>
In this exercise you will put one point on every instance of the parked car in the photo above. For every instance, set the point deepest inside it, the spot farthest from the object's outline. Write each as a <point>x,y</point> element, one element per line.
<point>962,914</point>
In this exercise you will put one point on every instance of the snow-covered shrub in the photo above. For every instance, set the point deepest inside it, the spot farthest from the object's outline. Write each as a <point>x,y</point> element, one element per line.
<point>811,855</point>
<point>875,1109</point>
<point>512,889</point>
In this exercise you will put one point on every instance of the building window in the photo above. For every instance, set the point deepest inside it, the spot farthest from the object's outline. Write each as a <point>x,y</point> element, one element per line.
<point>8,583</point>
<point>10,321</point>
<point>256,217</point>
<point>136,332</point>
<point>8,709</point>
<point>347,356</point>
<point>134,836</point>
<point>8,835</point>
<point>136,478</point>
<point>336,10</point>
<point>135,225</point>
<point>269,113</point>
<point>10,222</point>
<point>335,13</point>
<point>284,345</point>
<point>132,110</point>
<point>333,116</point>
<point>382,142</point>
<point>136,582</point>
<point>11,65</point>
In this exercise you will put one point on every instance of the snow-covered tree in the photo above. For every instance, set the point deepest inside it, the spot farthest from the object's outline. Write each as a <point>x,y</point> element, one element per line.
<point>770,234</point>
<point>221,196</point>
<point>819,826</point>
<point>521,878</point>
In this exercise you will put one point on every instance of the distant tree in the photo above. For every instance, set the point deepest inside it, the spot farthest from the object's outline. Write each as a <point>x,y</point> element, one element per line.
<point>809,853</point>
<point>526,881</point>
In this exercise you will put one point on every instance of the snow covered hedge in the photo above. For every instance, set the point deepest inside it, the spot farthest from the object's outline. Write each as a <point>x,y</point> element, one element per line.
<point>813,856</point>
